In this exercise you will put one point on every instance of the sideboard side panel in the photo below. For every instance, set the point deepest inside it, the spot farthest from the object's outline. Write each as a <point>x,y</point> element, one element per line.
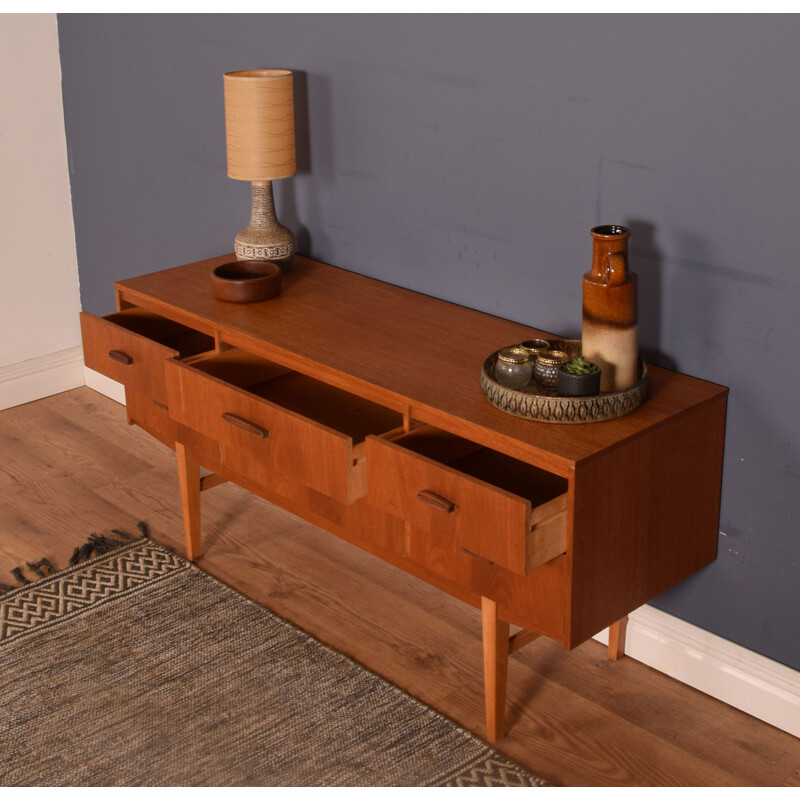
<point>646,516</point>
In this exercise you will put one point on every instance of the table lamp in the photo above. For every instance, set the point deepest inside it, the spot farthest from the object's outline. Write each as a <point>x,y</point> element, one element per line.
<point>259,129</point>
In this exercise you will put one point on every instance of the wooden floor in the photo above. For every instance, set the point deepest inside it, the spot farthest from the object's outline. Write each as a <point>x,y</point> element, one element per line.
<point>70,466</point>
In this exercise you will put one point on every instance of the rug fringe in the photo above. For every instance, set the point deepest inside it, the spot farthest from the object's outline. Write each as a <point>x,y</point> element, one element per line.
<point>36,568</point>
<point>17,573</point>
<point>96,545</point>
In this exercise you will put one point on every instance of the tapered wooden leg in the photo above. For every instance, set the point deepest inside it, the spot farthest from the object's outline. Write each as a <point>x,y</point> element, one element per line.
<point>495,668</point>
<point>616,638</point>
<point>128,417</point>
<point>189,481</point>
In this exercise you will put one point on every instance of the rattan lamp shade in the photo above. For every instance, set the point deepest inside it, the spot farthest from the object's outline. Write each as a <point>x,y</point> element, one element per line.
<point>259,124</point>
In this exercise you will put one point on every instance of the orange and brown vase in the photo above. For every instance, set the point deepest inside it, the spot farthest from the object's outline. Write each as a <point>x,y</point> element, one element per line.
<point>609,336</point>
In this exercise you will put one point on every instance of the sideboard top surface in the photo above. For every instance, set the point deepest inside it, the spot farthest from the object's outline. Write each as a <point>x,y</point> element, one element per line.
<point>401,348</point>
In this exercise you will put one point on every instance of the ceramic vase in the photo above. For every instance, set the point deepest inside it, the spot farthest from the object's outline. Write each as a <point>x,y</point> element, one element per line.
<point>610,331</point>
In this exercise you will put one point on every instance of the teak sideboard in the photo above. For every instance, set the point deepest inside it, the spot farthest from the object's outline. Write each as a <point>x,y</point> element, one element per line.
<point>356,405</point>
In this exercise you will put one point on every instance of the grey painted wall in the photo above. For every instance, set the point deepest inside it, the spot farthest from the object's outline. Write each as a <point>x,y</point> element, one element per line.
<point>467,157</point>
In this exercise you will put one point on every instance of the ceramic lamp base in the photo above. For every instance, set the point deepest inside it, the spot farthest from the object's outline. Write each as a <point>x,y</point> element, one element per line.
<point>265,239</point>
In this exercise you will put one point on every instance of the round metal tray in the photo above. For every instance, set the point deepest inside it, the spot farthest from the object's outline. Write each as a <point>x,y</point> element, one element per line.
<point>542,403</point>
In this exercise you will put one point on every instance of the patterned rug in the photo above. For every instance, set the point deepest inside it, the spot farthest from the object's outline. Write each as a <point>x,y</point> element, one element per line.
<point>136,668</point>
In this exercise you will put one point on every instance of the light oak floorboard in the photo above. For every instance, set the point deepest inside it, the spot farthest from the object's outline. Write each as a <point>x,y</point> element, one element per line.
<point>793,779</point>
<point>71,466</point>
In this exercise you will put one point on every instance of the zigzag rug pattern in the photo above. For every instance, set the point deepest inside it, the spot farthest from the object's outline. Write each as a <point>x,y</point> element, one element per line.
<point>79,589</point>
<point>136,668</point>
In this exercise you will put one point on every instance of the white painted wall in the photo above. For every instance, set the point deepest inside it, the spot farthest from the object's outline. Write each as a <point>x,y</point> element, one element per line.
<point>40,351</point>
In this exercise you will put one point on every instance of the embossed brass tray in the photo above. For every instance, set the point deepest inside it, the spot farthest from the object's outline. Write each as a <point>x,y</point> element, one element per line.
<point>544,404</point>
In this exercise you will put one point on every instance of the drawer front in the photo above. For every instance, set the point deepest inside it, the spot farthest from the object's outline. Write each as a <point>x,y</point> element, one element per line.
<point>151,415</point>
<point>487,522</point>
<point>258,438</point>
<point>125,356</point>
<point>439,554</point>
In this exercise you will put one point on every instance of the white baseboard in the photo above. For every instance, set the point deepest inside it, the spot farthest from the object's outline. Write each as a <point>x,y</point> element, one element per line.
<point>100,383</point>
<point>739,677</point>
<point>41,377</point>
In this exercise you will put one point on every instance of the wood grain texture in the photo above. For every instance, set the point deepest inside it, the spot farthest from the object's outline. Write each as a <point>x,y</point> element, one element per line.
<point>189,484</point>
<point>793,779</point>
<point>616,638</point>
<point>495,668</point>
<point>384,343</point>
<point>480,516</point>
<point>151,415</point>
<point>646,516</point>
<point>520,639</point>
<point>132,347</point>
<point>575,717</point>
<point>488,522</point>
<point>259,435</point>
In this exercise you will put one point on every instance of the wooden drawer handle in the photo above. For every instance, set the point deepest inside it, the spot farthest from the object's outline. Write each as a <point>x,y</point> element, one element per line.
<point>161,405</point>
<point>123,358</point>
<point>437,501</point>
<point>245,425</point>
<point>480,558</point>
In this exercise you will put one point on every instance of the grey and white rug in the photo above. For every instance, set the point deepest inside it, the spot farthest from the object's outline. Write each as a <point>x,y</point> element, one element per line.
<point>138,669</point>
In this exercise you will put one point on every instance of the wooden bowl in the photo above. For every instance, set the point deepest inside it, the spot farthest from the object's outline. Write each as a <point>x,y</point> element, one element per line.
<point>246,281</point>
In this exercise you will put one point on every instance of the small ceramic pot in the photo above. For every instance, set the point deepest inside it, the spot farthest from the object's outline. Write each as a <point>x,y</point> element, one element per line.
<point>572,385</point>
<point>534,346</point>
<point>513,368</point>
<point>548,365</point>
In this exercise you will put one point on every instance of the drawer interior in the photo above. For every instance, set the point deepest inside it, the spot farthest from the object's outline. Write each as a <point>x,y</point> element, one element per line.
<point>492,467</point>
<point>186,341</point>
<point>328,405</point>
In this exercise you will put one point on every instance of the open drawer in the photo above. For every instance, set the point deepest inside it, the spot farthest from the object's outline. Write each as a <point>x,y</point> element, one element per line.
<point>484,503</point>
<point>132,346</point>
<point>267,418</point>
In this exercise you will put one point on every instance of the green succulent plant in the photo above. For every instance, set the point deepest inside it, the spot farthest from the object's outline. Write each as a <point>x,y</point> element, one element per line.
<point>579,366</point>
